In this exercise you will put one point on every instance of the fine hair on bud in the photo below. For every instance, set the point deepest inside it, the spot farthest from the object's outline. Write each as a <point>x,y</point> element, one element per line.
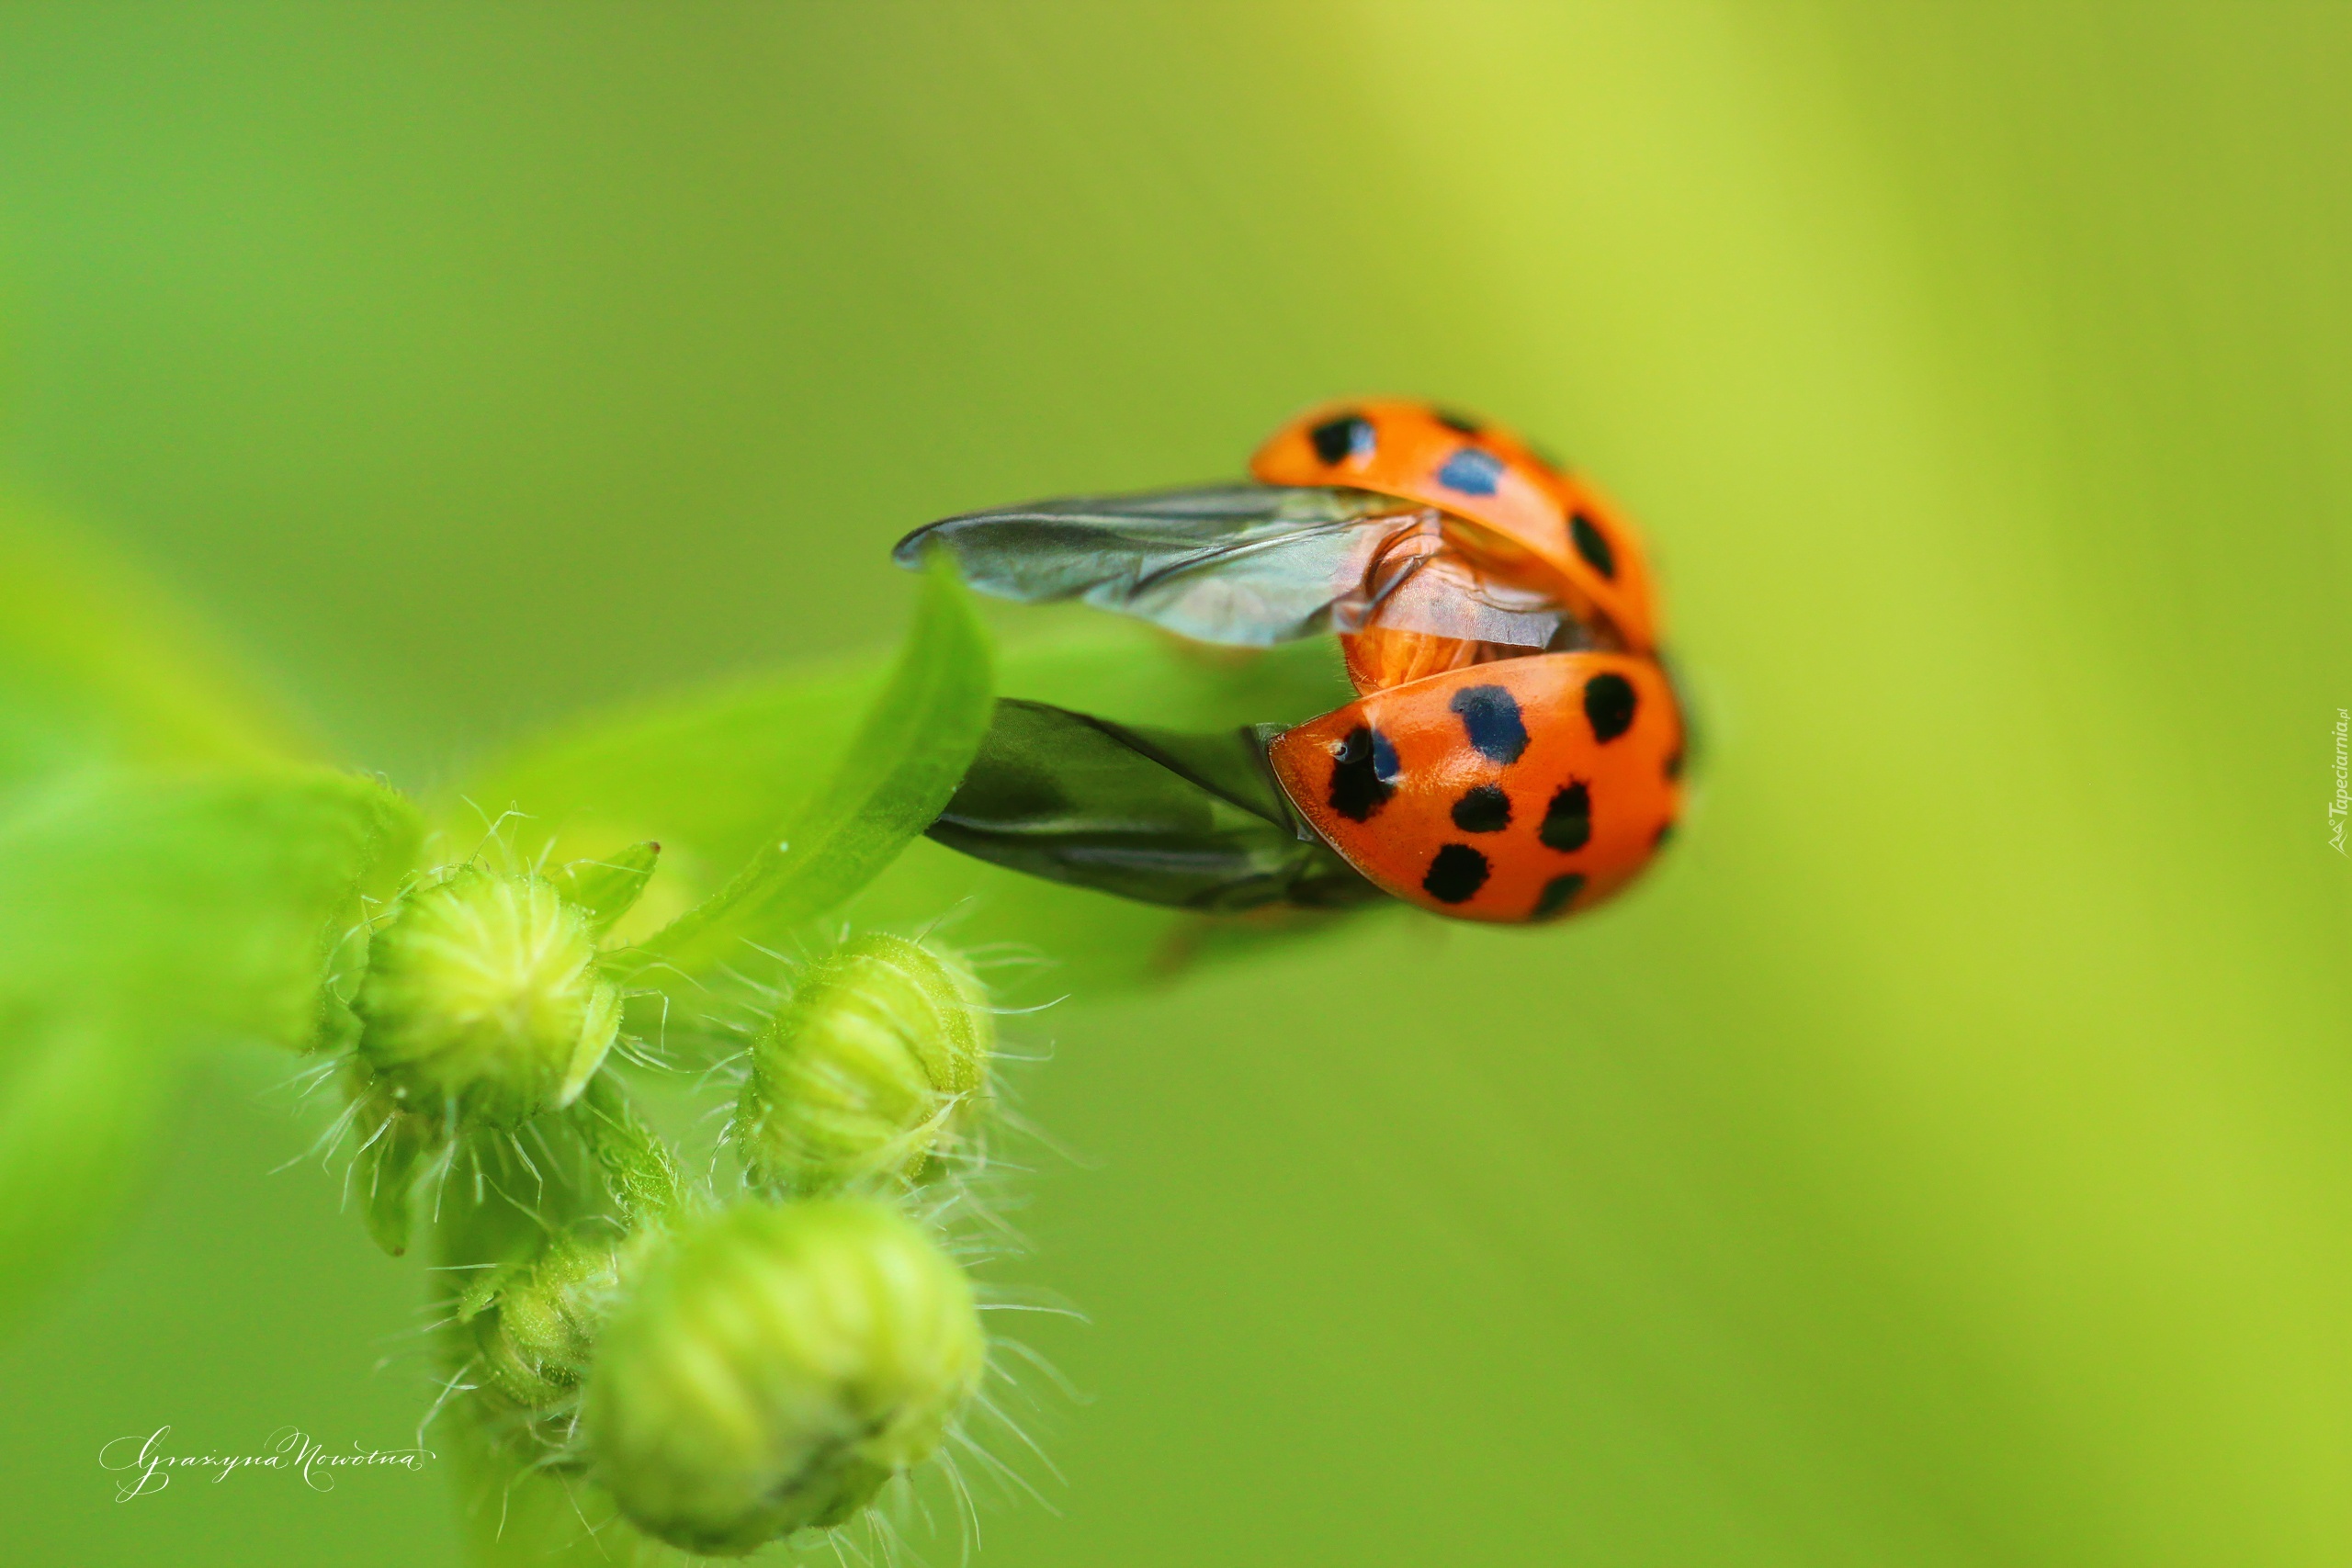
<point>535,1325</point>
<point>771,1366</point>
<point>874,1069</point>
<point>482,992</point>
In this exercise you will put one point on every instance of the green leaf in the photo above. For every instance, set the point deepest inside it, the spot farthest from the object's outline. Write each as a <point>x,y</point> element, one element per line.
<point>916,740</point>
<point>711,773</point>
<point>141,918</point>
<point>96,666</point>
<point>208,908</point>
<point>79,1097</point>
<point>707,773</point>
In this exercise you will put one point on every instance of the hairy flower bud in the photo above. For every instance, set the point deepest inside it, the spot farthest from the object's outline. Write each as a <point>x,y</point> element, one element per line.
<point>773,1367</point>
<point>483,991</point>
<point>535,1327</point>
<point>877,1062</point>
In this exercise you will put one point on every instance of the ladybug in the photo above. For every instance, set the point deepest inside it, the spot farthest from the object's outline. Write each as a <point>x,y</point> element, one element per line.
<point>1514,751</point>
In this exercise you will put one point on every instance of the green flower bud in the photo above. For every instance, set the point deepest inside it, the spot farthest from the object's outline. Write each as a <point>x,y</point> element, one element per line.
<point>483,990</point>
<point>534,1325</point>
<point>878,1061</point>
<point>774,1367</point>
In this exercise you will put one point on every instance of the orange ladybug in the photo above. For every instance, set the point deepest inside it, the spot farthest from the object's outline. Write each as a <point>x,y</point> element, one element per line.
<point>1515,750</point>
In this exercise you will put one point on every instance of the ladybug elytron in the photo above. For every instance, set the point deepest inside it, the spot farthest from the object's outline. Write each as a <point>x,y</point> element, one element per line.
<point>1514,752</point>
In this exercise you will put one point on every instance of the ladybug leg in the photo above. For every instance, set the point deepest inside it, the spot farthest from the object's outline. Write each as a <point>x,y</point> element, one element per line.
<point>1195,821</point>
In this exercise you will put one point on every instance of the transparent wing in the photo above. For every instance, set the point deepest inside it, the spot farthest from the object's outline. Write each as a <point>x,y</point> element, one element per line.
<point>1246,564</point>
<point>1242,564</point>
<point>1191,820</point>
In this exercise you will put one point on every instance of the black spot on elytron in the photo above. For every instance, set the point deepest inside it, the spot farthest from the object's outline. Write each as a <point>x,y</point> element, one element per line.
<point>1558,894</point>
<point>1592,545</point>
<point>1483,809</point>
<point>1674,763</point>
<point>1457,873</point>
<point>1609,705</point>
<point>1490,717</point>
<point>1336,440</point>
<point>1567,821</point>
<point>1459,424</point>
<point>1658,839</point>
<point>1363,773</point>
<point>1472,471</point>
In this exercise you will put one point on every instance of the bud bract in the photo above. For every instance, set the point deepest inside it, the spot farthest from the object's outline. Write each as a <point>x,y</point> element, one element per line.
<point>482,991</point>
<point>876,1063</point>
<point>771,1367</point>
<point>534,1328</point>
<point>396,1140</point>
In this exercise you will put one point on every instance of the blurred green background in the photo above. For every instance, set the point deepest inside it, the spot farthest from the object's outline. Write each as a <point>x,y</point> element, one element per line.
<point>1943,1160</point>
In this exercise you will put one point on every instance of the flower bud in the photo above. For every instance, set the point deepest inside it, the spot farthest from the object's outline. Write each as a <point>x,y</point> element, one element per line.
<point>878,1062</point>
<point>534,1328</point>
<point>483,991</point>
<point>773,1367</point>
